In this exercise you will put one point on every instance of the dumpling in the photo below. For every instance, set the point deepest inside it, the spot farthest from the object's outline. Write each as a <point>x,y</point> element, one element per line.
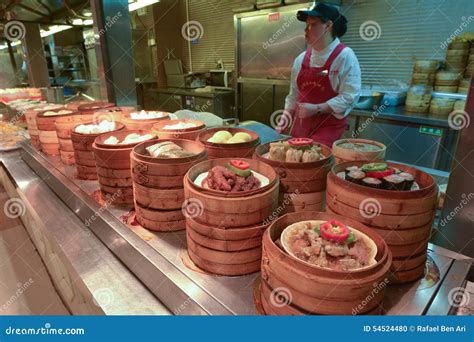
<point>294,155</point>
<point>277,151</point>
<point>310,155</point>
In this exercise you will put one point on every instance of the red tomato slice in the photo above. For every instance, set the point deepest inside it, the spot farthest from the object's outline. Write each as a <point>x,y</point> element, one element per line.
<point>300,141</point>
<point>380,174</point>
<point>334,231</point>
<point>240,164</point>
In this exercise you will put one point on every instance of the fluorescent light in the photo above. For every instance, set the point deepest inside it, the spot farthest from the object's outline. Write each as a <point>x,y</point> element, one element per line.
<point>77,22</point>
<point>88,22</point>
<point>18,42</point>
<point>55,29</point>
<point>141,3</point>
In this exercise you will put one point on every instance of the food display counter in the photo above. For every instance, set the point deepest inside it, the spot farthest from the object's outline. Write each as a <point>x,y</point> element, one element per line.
<point>398,128</point>
<point>169,281</point>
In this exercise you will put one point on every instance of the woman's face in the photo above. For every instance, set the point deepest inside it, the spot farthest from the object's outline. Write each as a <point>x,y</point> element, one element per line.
<point>316,29</point>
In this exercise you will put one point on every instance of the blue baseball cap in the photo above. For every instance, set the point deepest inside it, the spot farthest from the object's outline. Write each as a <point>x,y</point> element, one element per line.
<point>319,10</point>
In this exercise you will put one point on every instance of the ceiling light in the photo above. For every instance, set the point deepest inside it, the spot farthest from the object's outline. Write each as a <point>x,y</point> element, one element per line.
<point>141,3</point>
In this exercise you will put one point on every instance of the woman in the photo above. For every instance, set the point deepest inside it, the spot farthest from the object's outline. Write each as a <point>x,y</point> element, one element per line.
<point>325,79</point>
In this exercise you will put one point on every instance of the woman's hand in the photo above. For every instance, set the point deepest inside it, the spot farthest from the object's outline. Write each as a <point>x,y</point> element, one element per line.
<point>307,110</point>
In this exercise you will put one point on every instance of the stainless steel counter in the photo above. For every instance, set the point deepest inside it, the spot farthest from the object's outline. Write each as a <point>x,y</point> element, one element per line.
<point>399,114</point>
<point>92,266</point>
<point>157,258</point>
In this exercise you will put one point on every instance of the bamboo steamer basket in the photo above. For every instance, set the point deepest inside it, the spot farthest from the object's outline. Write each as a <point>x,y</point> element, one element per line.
<point>469,70</point>
<point>74,106</point>
<point>67,157</point>
<point>425,66</point>
<point>459,105</point>
<point>155,180</point>
<point>442,105</point>
<point>302,185</point>
<point>223,230</point>
<point>424,79</point>
<point>458,46</point>
<point>143,123</point>
<point>464,85</point>
<point>30,117</point>
<point>239,150</point>
<point>445,78</point>
<point>94,106</point>
<point>113,113</point>
<point>403,218</point>
<point>342,154</point>
<point>418,99</point>
<point>316,290</point>
<point>116,157</point>
<point>47,132</point>
<point>446,89</point>
<point>64,126</point>
<point>83,152</point>
<point>188,133</point>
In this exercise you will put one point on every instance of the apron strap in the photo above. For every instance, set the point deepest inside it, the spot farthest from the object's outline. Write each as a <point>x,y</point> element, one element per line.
<point>307,58</point>
<point>334,55</point>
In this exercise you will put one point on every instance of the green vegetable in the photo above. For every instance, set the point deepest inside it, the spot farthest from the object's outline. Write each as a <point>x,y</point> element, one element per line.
<point>351,238</point>
<point>374,167</point>
<point>317,229</point>
<point>239,172</point>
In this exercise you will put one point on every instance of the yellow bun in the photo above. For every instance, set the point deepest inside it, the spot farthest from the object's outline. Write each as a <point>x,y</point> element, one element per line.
<point>244,136</point>
<point>222,135</point>
<point>215,140</point>
<point>235,140</point>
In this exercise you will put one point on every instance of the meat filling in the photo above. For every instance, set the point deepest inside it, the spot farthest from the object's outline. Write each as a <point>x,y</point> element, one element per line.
<point>308,245</point>
<point>220,178</point>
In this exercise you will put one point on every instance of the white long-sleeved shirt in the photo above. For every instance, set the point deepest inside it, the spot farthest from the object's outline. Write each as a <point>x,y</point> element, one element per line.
<point>344,75</point>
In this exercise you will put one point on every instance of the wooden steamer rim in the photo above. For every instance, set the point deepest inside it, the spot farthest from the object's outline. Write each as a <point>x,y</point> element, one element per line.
<point>159,127</point>
<point>322,163</point>
<point>276,228</point>
<point>341,152</point>
<point>120,135</point>
<point>425,182</point>
<point>204,136</point>
<point>258,166</point>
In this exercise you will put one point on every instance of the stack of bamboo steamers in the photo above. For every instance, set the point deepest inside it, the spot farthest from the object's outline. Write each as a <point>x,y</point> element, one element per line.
<point>235,233</point>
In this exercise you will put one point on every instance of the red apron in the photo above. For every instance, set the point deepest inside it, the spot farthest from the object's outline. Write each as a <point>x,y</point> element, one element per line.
<point>315,87</point>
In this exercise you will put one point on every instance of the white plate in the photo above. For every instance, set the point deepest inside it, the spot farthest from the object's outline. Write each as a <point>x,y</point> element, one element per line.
<point>264,181</point>
<point>296,226</point>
